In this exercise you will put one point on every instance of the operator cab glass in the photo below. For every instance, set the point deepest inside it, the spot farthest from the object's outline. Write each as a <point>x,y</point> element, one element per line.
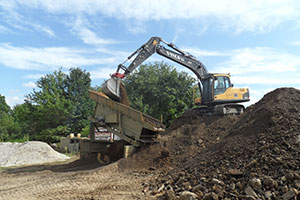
<point>221,83</point>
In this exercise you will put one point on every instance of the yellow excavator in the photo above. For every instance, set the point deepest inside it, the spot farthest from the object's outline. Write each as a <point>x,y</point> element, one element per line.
<point>216,94</point>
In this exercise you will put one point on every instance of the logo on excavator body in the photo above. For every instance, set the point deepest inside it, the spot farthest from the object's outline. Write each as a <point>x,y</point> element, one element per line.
<point>175,56</point>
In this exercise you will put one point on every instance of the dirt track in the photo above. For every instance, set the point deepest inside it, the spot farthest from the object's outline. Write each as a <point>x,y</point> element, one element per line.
<point>75,180</point>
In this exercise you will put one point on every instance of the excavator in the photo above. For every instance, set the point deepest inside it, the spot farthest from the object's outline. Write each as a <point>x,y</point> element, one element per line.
<point>216,93</point>
<point>129,129</point>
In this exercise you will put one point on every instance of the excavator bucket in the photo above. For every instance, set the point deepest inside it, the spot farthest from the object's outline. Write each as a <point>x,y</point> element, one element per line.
<point>111,88</point>
<point>115,90</point>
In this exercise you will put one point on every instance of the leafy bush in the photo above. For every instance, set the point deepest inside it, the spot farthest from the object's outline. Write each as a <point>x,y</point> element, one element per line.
<point>85,131</point>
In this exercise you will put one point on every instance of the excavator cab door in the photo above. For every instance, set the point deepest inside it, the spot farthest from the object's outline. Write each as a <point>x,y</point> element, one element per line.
<point>207,95</point>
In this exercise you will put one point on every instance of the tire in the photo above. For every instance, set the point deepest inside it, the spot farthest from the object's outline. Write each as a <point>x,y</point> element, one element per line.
<point>103,159</point>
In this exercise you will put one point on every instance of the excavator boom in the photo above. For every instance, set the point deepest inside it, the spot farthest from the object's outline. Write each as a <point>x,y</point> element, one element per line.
<point>111,86</point>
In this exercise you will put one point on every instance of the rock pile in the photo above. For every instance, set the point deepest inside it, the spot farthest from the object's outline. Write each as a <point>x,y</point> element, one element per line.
<point>252,156</point>
<point>28,153</point>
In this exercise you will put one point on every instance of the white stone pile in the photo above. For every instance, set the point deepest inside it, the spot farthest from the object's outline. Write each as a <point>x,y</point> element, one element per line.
<point>28,153</point>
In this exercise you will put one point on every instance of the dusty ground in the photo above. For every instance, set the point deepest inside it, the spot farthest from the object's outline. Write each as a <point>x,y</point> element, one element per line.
<point>73,180</point>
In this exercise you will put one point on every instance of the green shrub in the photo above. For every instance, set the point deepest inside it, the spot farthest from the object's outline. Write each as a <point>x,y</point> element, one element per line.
<point>85,131</point>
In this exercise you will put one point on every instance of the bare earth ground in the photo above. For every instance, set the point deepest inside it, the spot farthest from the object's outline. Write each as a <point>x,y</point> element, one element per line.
<point>72,180</point>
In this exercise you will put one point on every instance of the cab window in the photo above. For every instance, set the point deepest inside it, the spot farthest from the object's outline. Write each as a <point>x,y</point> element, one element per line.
<point>221,83</point>
<point>227,83</point>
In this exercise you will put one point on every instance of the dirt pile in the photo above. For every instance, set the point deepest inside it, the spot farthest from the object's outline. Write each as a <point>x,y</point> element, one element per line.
<point>252,156</point>
<point>28,153</point>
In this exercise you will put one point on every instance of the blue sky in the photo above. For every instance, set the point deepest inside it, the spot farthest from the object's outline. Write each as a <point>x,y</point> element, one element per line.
<point>256,41</point>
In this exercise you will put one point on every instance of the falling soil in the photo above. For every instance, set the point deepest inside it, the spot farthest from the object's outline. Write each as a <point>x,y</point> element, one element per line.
<point>123,95</point>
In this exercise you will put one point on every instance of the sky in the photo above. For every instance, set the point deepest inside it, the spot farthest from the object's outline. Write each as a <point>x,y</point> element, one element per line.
<point>256,41</point>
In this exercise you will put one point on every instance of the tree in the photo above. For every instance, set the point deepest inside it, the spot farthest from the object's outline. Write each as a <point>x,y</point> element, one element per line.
<point>59,105</point>
<point>78,83</point>
<point>4,108</point>
<point>159,90</point>
<point>21,113</point>
<point>48,107</point>
<point>9,128</point>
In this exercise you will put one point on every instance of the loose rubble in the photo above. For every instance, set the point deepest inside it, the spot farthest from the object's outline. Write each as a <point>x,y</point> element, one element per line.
<point>252,156</point>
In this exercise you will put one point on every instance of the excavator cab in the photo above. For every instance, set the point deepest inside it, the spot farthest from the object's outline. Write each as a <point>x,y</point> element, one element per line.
<point>223,91</point>
<point>217,89</point>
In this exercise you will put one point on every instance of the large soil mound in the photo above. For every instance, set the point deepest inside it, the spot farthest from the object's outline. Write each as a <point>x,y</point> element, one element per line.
<point>252,156</point>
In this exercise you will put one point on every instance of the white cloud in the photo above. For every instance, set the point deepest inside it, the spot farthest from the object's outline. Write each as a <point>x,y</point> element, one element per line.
<point>4,29</point>
<point>51,58</point>
<point>247,15</point>
<point>295,43</point>
<point>44,29</point>
<point>260,59</point>
<point>201,52</point>
<point>80,27</point>
<point>136,26</point>
<point>120,54</point>
<point>29,84</point>
<point>13,18</point>
<point>267,79</point>
<point>34,76</point>
<point>102,73</point>
<point>14,100</point>
<point>89,37</point>
<point>8,5</point>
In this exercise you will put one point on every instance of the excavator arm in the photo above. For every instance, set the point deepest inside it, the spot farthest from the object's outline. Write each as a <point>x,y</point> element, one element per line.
<point>178,56</point>
<point>152,46</point>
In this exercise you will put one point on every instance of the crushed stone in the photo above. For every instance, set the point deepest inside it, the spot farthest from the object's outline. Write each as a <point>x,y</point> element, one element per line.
<point>28,153</point>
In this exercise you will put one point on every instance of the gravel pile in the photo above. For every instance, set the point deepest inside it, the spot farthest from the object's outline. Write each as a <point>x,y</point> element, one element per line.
<point>28,153</point>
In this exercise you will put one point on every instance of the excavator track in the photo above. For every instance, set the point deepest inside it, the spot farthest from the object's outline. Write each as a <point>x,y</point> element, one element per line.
<point>224,109</point>
<point>229,109</point>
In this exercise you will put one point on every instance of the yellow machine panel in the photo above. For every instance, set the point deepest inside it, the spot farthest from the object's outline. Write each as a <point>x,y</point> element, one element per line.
<point>232,93</point>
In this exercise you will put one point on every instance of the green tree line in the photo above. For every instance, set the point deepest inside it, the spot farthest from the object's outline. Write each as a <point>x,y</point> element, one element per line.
<point>60,104</point>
